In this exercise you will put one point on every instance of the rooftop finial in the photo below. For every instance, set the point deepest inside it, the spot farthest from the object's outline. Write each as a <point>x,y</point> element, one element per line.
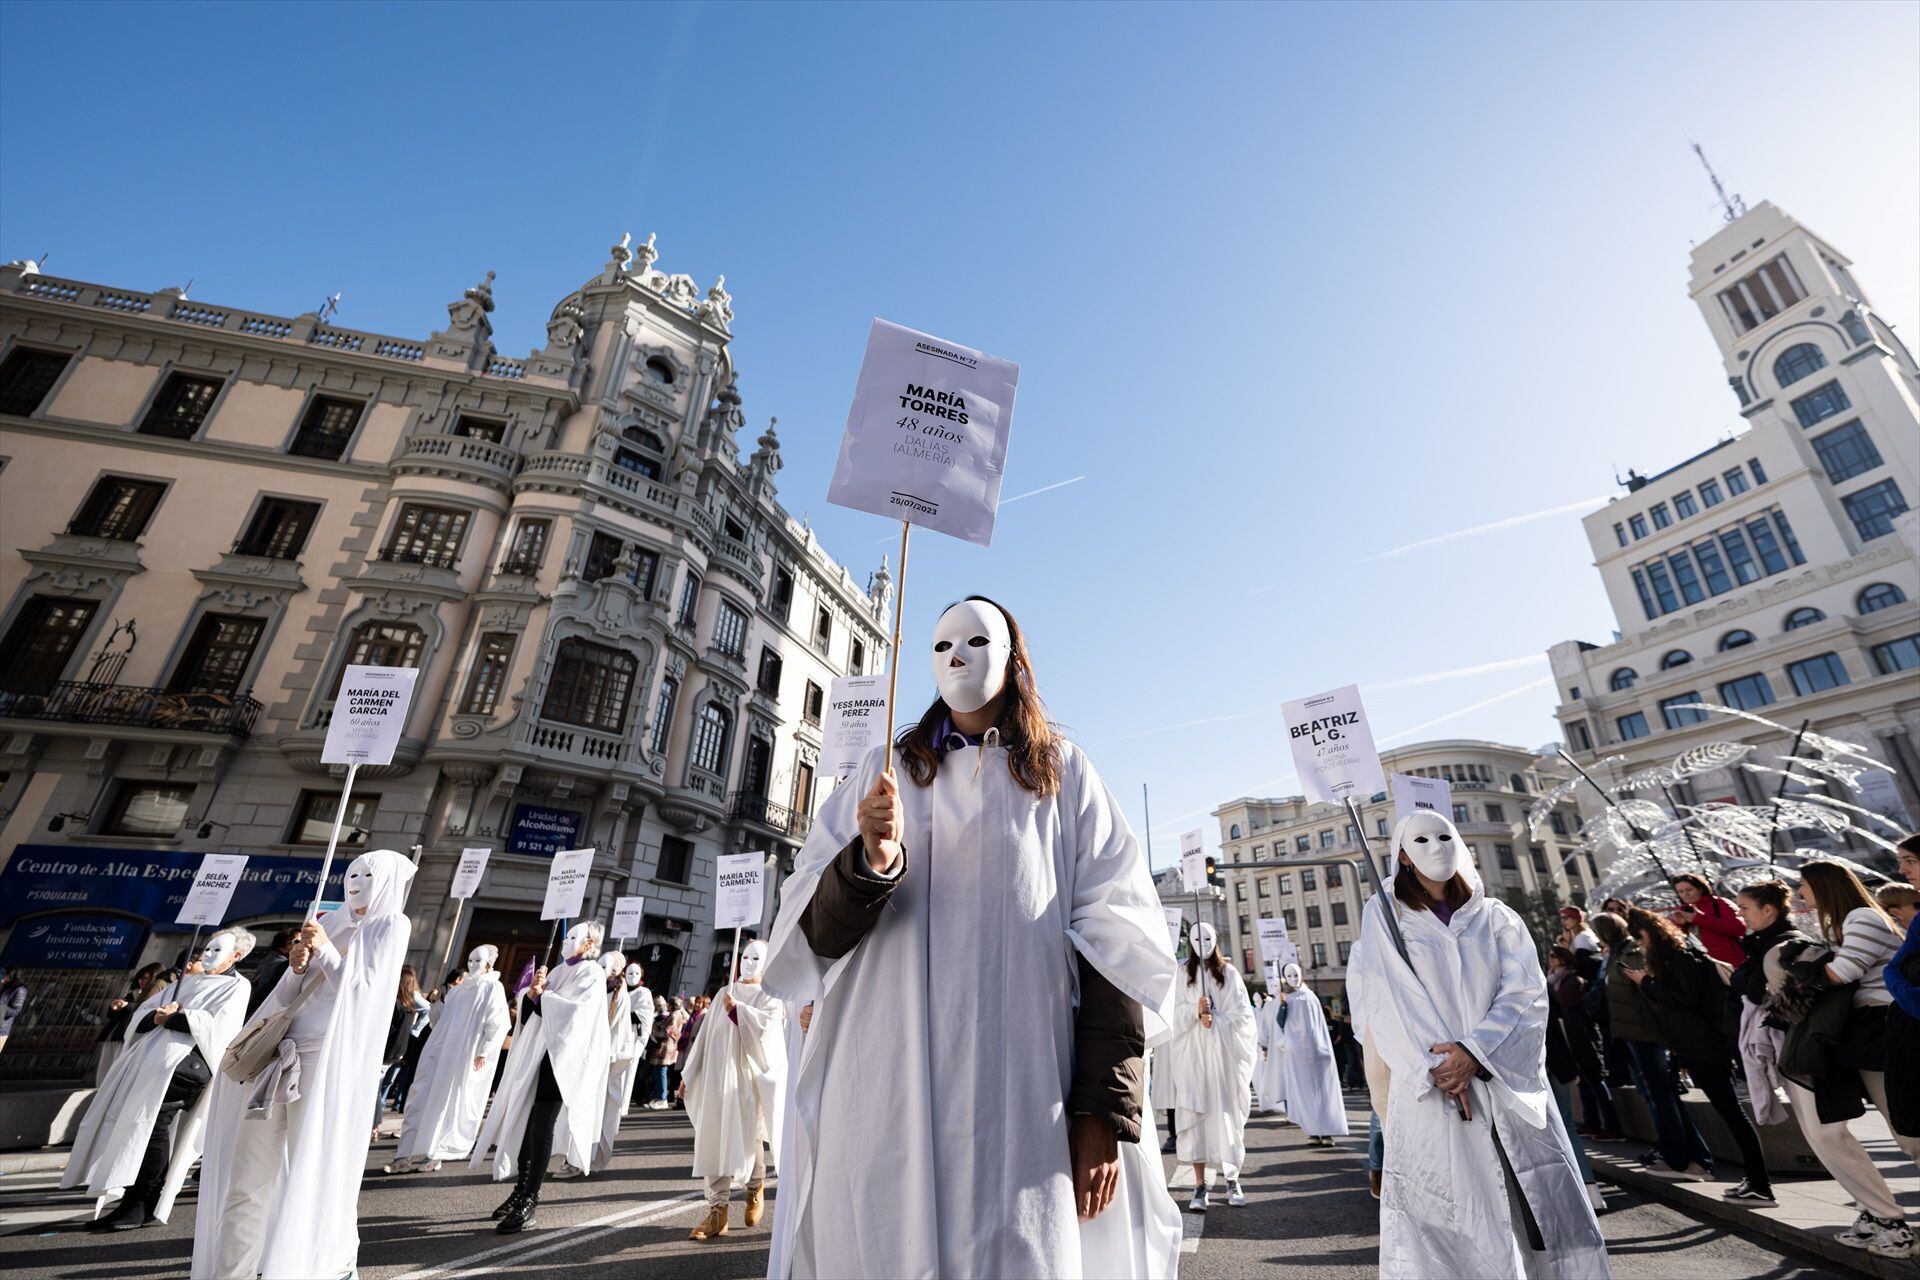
<point>482,293</point>
<point>1731,206</point>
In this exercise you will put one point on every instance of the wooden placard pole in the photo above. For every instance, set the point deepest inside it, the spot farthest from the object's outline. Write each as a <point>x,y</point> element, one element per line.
<point>893,666</point>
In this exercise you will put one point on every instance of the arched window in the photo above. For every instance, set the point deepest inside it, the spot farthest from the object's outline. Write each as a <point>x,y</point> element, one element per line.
<point>1233,832</point>
<point>1797,362</point>
<point>1517,783</point>
<point>1805,616</point>
<point>384,644</point>
<point>1675,658</point>
<point>662,372</point>
<point>590,686</point>
<point>710,738</point>
<point>1734,639</point>
<point>1879,595</point>
<point>1622,679</point>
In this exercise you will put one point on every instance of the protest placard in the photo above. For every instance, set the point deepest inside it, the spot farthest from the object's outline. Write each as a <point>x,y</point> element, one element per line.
<point>1193,862</point>
<point>856,720</point>
<point>567,884</point>
<point>1333,747</point>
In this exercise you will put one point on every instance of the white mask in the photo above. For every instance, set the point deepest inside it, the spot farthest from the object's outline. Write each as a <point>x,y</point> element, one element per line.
<point>359,884</point>
<point>753,957</point>
<point>583,939</point>
<point>1203,940</point>
<point>633,975</point>
<point>613,962</point>
<point>1291,978</point>
<point>1432,844</point>
<point>481,959</point>
<point>221,950</point>
<point>971,647</point>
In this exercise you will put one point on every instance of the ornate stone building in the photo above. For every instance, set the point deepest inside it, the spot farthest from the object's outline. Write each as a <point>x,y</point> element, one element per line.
<point>623,639</point>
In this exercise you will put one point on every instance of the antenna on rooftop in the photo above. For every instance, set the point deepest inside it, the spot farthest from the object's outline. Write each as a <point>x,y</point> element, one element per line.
<point>1731,206</point>
<point>330,308</point>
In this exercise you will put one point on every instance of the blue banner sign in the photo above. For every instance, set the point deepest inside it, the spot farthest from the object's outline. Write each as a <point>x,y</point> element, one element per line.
<point>78,941</point>
<point>42,878</point>
<point>538,829</point>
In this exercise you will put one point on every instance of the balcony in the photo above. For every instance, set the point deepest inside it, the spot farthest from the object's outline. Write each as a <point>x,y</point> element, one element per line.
<point>461,458</point>
<point>130,706</point>
<point>762,812</point>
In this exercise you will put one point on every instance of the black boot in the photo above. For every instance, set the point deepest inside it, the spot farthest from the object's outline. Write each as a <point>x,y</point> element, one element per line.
<point>133,1212</point>
<point>520,1218</point>
<point>510,1205</point>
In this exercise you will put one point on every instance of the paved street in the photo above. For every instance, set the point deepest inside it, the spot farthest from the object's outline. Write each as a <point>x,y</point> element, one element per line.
<point>1309,1217</point>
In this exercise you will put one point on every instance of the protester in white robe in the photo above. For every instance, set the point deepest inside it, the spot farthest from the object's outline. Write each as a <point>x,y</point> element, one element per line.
<point>1270,1077</point>
<point>630,1022</point>
<point>1213,1049</point>
<point>1462,1032</point>
<point>1312,1087</point>
<point>1006,922</point>
<point>734,1083</point>
<point>552,1090</point>
<point>280,1187</point>
<point>449,1093</point>
<point>142,1130</point>
<point>780,1249</point>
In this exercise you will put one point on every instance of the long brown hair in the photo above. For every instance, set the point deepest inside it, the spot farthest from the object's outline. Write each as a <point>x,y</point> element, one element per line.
<point>1660,938</point>
<point>1032,742</point>
<point>1835,892</point>
<point>1216,967</point>
<point>1408,889</point>
<point>409,987</point>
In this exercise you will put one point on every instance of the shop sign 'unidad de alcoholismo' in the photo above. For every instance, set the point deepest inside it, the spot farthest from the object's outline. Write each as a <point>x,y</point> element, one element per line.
<point>926,440</point>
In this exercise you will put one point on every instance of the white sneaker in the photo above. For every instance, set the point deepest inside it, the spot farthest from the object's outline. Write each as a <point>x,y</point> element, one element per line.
<point>1235,1196</point>
<point>404,1164</point>
<point>1199,1202</point>
<point>1860,1233</point>
<point>1891,1239</point>
<point>567,1170</point>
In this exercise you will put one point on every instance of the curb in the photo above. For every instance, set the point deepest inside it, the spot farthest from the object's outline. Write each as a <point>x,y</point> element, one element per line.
<point>1755,1221</point>
<point>43,1161</point>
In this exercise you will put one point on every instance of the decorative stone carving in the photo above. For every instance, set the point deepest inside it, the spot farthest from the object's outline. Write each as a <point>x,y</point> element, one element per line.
<point>717,310</point>
<point>681,291</point>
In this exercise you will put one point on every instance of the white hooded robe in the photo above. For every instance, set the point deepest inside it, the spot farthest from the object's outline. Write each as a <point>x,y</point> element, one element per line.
<point>1312,1087</point>
<point>1213,1070</point>
<point>627,1044</point>
<point>930,1135</point>
<point>311,1227</point>
<point>449,1093</point>
<point>735,1076</point>
<point>571,1030</point>
<point>1270,1077</point>
<point>112,1138</point>
<point>1444,1206</point>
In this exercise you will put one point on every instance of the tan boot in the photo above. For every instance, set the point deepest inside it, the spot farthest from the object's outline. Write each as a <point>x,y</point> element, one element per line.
<point>711,1227</point>
<point>756,1205</point>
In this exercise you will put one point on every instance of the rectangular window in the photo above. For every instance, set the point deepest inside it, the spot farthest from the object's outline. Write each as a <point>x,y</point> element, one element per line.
<point>1813,675</point>
<point>528,548</point>
<point>815,704</point>
<point>1620,533</point>
<point>1326,839</point>
<point>1504,852</point>
<point>327,428</point>
<point>385,644</point>
<point>780,596</point>
<point>1683,574</point>
<point>1630,726</point>
<point>676,857</point>
<point>492,430</point>
<point>663,714</point>
<point>1460,815</point>
<point>1380,826</point>
<point>1786,536</point>
<point>1660,517</point>
<point>1710,493</point>
<point>637,464</point>
<point>1873,508</point>
<point>589,686</point>
<point>216,659</point>
<point>1683,505</point>
<point>1558,820</point>
<point>1639,526</point>
<point>1771,556</point>
<point>1747,692</point>
<point>1736,482</point>
<point>1495,813</point>
<point>278,530</point>
<point>1303,844</point>
<point>1345,949</point>
<point>1662,587</point>
<point>26,377</point>
<point>1646,595</point>
<point>489,673</point>
<point>1538,857</point>
<point>857,659</point>
<point>1339,910</point>
<point>730,631</point>
<point>426,535</point>
<point>603,552</point>
<point>1846,451</point>
<point>768,678</point>
<point>1313,917</point>
<point>823,629</point>
<point>689,600</point>
<point>313,818</point>
<point>1744,569</point>
<point>148,809</point>
<point>1711,565</point>
<point>117,509</point>
<point>1319,952</point>
<point>643,571</point>
<point>1820,404</point>
<point>1897,655</point>
<point>1293,922</point>
<point>1333,877</point>
<point>1677,713</point>
<point>1285,884</point>
<point>42,641</point>
<point>181,408</point>
<point>1759,472</point>
<point>1307,884</point>
<point>802,789</point>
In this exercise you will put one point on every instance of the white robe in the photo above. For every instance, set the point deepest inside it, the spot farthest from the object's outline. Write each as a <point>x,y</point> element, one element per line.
<point>627,1045</point>
<point>930,1135</point>
<point>1444,1207</point>
<point>112,1137</point>
<point>571,1030</point>
<point>449,1093</point>
<point>735,1077</point>
<point>1213,1070</point>
<point>312,1222</point>
<point>1312,1086</point>
<point>780,1248</point>
<point>1270,1077</point>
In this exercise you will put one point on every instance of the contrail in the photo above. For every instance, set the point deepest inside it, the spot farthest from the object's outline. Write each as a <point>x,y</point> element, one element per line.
<point>1494,527</point>
<point>1045,488</point>
<point>1528,687</point>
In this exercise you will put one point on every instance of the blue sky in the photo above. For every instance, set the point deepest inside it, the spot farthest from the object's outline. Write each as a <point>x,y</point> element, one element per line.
<point>1291,286</point>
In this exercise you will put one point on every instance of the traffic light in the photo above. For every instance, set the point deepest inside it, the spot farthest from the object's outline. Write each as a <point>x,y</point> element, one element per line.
<point>1215,876</point>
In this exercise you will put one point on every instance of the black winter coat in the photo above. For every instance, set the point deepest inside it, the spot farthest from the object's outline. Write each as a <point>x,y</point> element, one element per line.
<point>1693,1006</point>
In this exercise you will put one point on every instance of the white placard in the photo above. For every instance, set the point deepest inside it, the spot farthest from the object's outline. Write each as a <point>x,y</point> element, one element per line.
<point>368,715</point>
<point>627,914</point>
<point>567,884</point>
<point>1411,794</point>
<point>1175,919</point>
<point>1273,939</point>
<point>739,890</point>
<point>856,723</point>
<point>466,876</point>
<point>1193,862</point>
<point>926,440</point>
<point>212,890</point>
<point>1332,746</point>
<point>1272,971</point>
